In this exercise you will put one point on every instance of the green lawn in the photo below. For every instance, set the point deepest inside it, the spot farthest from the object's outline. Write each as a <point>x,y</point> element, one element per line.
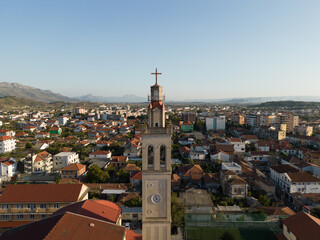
<point>202,233</point>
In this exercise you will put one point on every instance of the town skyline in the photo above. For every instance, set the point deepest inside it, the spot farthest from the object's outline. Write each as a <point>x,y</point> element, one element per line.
<point>211,50</point>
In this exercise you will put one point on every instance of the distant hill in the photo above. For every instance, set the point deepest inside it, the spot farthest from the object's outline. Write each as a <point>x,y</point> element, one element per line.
<point>36,94</point>
<point>289,104</point>
<point>16,102</point>
<point>123,99</point>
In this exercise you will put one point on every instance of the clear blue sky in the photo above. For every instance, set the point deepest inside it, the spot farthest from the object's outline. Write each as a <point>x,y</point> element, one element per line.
<point>205,49</point>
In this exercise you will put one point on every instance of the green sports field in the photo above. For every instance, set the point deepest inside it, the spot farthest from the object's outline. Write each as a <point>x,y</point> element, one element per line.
<point>205,233</point>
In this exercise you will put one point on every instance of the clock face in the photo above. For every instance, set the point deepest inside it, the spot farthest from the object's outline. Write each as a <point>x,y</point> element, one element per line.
<point>155,198</point>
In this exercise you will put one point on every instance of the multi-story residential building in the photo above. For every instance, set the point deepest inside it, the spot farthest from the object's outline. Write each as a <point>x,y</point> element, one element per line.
<point>216,123</point>
<point>237,119</point>
<point>290,120</point>
<point>62,120</point>
<point>303,130</point>
<point>63,159</point>
<point>36,163</point>
<point>20,204</point>
<point>292,180</point>
<point>7,144</point>
<point>188,116</point>
<point>8,167</point>
<point>100,154</point>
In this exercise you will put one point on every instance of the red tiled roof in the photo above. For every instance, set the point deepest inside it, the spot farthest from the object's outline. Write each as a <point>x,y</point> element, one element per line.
<point>99,209</point>
<point>100,153</point>
<point>5,138</point>
<point>73,167</point>
<point>137,176</point>
<point>41,193</point>
<point>303,226</point>
<point>69,226</point>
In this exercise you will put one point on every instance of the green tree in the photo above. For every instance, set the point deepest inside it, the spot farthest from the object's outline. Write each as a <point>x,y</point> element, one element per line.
<point>123,175</point>
<point>264,200</point>
<point>133,202</point>
<point>29,145</point>
<point>96,175</point>
<point>177,211</point>
<point>227,236</point>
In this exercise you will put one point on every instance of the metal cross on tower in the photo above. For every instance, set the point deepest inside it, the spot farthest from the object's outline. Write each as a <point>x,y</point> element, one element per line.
<point>156,73</point>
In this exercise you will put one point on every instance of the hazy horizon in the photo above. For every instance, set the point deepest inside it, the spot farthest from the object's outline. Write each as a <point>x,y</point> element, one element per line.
<point>205,50</point>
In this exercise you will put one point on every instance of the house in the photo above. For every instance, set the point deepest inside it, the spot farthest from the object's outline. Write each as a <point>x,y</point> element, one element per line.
<point>175,182</point>
<point>238,145</point>
<point>7,132</point>
<point>100,154</point>
<point>131,214</point>
<point>55,130</point>
<point>199,205</point>
<point>186,141</point>
<point>63,159</point>
<point>42,135</point>
<point>191,173</point>
<point>221,156</point>
<point>29,128</point>
<point>211,182</point>
<point>261,156</point>
<point>136,179</point>
<point>248,139</point>
<point>80,129</point>
<point>300,226</point>
<point>8,167</point>
<point>119,161</point>
<point>73,170</point>
<point>233,185</point>
<point>25,203</point>
<point>184,151</point>
<point>41,145</point>
<point>7,144</point>
<point>197,155</point>
<point>233,166</point>
<point>131,167</point>
<point>187,127</point>
<point>38,163</point>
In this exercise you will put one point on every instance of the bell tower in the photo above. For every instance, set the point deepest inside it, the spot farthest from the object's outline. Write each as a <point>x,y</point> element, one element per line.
<point>156,170</point>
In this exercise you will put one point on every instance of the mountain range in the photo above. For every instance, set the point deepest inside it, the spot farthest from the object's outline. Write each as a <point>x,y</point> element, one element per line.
<point>47,96</point>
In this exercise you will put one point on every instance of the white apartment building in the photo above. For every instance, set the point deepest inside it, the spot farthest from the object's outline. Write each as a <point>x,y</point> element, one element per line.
<point>7,144</point>
<point>63,159</point>
<point>62,120</point>
<point>8,167</point>
<point>216,123</point>
<point>292,180</point>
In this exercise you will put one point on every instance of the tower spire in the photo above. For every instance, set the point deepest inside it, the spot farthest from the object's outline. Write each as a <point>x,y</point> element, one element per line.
<point>156,73</point>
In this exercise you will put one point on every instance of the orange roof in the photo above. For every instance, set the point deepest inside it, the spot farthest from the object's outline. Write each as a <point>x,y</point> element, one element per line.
<point>100,153</point>
<point>41,193</point>
<point>73,167</point>
<point>69,226</point>
<point>131,235</point>
<point>99,209</point>
<point>137,176</point>
<point>119,159</point>
<point>5,138</point>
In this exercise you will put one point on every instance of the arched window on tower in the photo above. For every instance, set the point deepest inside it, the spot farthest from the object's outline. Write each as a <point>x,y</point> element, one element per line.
<point>150,155</point>
<point>162,155</point>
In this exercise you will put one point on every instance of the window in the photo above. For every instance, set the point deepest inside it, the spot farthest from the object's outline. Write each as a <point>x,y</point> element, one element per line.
<point>19,206</point>
<point>20,216</point>
<point>43,216</point>
<point>56,205</point>
<point>150,155</point>
<point>32,216</point>
<point>135,215</point>
<point>4,217</point>
<point>4,206</point>
<point>42,206</point>
<point>31,206</point>
<point>162,155</point>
